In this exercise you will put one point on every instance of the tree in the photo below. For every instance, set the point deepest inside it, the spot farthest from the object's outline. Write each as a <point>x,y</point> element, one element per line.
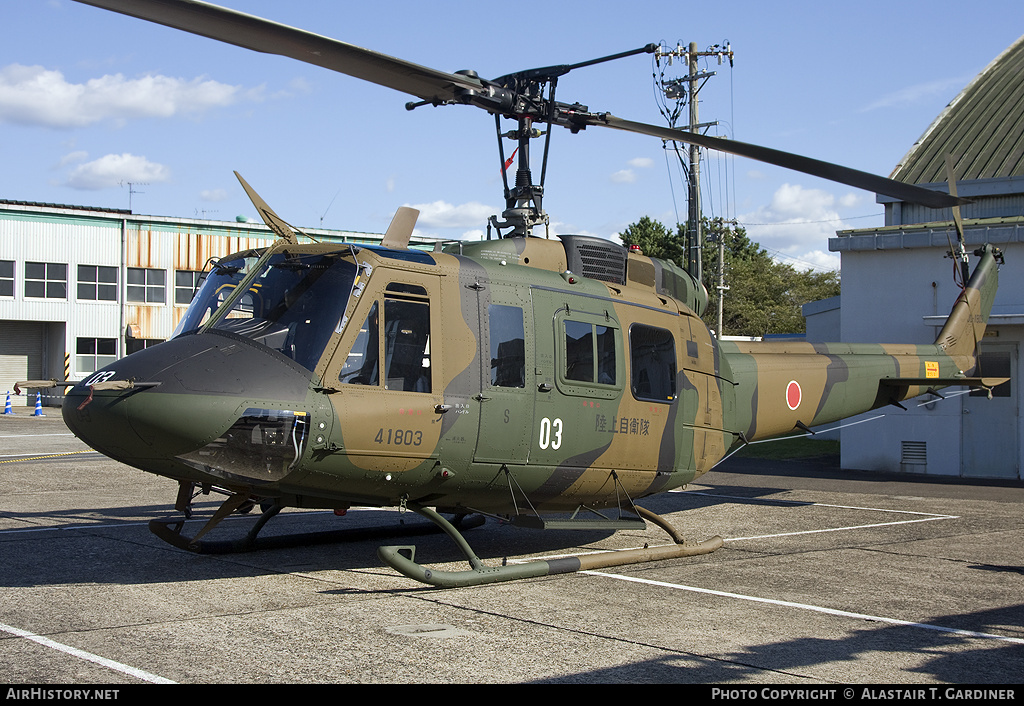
<point>764,296</point>
<point>655,240</point>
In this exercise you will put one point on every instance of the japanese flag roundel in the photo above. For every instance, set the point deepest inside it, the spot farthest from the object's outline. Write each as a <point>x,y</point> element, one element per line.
<point>793,394</point>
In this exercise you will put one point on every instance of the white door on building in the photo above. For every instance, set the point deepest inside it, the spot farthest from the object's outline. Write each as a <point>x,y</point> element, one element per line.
<point>991,448</point>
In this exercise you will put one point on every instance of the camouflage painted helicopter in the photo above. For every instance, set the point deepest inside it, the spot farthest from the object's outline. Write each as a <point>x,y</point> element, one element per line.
<point>522,377</point>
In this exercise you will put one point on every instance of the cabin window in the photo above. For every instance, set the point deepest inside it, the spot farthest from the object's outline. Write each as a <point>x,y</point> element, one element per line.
<point>402,339</point>
<point>589,352</point>
<point>363,364</point>
<point>508,347</point>
<point>406,345</point>
<point>652,359</point>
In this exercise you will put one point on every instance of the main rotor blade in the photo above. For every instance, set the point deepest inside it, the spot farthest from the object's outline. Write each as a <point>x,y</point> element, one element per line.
<point>434,86</point>
<point>269,37</point>
<point>807,165</point>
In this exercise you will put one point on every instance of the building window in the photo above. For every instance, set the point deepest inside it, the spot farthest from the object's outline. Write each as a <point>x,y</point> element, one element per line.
<point>46,280</point>
<point>147,286</point>
<point>97,283</point>
<point>134,345</point>
<point>186,283</point>
<point>6,278</point>
<point>94,353</point>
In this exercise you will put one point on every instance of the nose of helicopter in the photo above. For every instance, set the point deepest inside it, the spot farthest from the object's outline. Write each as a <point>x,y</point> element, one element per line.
<point>177,397</point>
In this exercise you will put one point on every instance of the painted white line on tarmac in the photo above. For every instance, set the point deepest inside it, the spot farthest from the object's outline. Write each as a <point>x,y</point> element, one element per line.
<point>843,529</point>
<point>928,517</point>
<point>804,606</point>
<point>925,516</point>
<point>87,656</point>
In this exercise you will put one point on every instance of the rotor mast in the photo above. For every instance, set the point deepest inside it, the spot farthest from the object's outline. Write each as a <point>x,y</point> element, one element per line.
<point>525,102</point>
<point>524,202</point>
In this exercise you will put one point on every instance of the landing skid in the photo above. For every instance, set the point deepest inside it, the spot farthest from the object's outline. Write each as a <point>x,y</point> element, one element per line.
<point>402,558</point>
<point>170,531</point>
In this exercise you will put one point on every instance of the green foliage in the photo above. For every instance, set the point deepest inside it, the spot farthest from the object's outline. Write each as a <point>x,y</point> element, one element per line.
<point>793,448</point>
<point>655,240</point>
<point>764,296</point>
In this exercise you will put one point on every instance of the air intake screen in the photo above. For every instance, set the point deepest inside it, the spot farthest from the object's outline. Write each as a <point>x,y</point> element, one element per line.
<point>595,258</point>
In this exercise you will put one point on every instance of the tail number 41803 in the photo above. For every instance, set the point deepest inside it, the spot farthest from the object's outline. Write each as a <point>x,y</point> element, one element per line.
<point>550,433</point>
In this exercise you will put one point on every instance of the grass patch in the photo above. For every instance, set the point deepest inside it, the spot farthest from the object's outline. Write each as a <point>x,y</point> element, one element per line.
<point>800,447</point>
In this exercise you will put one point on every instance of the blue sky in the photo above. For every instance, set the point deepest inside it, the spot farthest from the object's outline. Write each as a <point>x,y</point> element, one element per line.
<point>91,101</point>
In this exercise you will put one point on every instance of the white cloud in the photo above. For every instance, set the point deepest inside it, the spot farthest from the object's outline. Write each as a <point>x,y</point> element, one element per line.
<point>33,95</point>
<point>912,95</point>
<point>624,176</point>
<point>441,214</point>
<point>628,176</point>
<point>851,200</point>
<point>213,195</point>
<point>73,158</point>
<point>115,169</point>
<point>796,225</point>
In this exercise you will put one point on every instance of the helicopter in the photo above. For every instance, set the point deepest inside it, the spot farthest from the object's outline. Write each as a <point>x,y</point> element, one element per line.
<point>547,382</point>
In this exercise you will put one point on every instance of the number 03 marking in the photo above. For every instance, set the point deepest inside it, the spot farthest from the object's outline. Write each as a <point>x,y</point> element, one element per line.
<point>546,428</point>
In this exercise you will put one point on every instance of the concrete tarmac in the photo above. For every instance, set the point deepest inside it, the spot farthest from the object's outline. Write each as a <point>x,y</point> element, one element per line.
<point>825,577</point>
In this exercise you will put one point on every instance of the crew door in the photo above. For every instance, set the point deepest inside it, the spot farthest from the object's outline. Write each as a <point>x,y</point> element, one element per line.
<point>580,377</point>
<point>507,390</point>
<point>389,399</point>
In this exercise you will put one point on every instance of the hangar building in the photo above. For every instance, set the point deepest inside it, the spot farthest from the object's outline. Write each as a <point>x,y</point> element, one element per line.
<point>897,285</point>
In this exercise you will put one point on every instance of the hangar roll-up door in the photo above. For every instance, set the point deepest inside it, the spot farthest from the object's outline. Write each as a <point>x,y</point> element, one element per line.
<point>22,344</point>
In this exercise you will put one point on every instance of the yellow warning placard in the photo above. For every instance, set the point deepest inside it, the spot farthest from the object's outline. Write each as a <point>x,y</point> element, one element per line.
<point>931,369</point>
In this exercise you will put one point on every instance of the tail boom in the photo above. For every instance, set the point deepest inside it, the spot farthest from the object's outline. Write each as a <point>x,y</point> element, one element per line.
<point>782,386</point>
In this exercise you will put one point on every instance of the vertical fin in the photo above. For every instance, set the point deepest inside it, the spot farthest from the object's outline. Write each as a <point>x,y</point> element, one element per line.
<point>401,228</point>
<point>965,326</point>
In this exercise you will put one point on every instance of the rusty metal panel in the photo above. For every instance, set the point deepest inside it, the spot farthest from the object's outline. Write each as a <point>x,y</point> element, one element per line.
<point>149,321</point>
<point>193,250</point>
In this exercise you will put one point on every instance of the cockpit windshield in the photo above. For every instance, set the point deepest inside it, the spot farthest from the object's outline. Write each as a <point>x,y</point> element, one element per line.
<point>214,289</point>
<point>293,305</point>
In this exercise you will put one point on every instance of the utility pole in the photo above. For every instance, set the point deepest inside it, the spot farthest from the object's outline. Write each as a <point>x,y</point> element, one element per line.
<point>722,288</point>
<point>693,212</point>
<point>686,89</point>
